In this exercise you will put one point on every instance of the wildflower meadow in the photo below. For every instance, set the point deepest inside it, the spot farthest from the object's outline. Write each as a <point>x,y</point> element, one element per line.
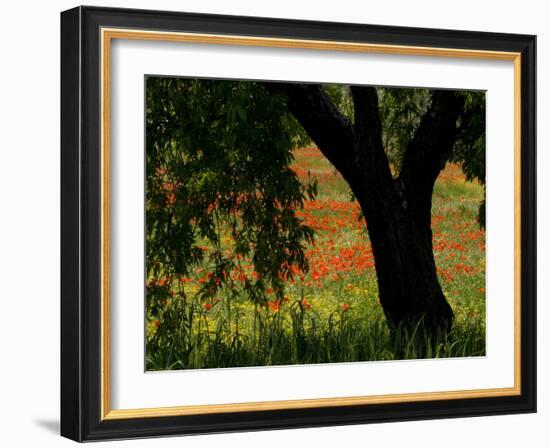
<point>331,313</point>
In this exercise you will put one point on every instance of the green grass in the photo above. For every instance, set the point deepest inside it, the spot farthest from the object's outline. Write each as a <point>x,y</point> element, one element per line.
<point>332,314</point>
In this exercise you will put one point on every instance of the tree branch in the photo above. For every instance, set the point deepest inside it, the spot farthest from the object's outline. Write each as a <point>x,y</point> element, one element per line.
<point>371,157</point>
<point>328,128</point>
<point>429,150</point>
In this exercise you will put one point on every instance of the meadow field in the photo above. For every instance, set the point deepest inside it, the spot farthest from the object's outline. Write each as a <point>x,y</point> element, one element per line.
<point>332,313</point>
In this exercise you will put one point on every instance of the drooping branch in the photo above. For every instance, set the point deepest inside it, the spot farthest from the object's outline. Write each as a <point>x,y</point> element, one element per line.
<point>332,132</point>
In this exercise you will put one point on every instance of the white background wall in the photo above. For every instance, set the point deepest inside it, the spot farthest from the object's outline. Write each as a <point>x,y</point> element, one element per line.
<point>29,227</point>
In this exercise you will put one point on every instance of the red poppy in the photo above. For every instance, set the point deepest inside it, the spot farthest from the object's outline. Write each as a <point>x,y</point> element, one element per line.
<point>274,305</point>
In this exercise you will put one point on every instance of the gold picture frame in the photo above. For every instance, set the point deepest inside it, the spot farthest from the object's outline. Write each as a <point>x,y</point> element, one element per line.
<point>105,26</point>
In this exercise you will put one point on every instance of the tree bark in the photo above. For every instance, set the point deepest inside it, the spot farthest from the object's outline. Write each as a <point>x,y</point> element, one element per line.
<point>397,211</point>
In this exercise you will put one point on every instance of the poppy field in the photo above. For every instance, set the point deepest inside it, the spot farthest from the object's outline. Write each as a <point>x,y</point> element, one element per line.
<point>332,312</point>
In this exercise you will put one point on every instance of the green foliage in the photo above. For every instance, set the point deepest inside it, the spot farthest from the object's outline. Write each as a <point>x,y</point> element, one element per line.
<point>340,96</point>
<point>469,149</point>
<point>400,111</point>
<point>220,192</point>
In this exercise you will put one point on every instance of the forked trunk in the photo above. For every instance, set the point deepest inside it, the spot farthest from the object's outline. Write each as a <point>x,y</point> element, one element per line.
<point>398,211</point>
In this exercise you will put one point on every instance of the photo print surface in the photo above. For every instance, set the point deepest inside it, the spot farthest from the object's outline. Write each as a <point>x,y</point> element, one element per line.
<point>295,223</point>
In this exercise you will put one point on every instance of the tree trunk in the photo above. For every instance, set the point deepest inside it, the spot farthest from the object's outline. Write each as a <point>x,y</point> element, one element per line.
<point>397,211</point>
<point>409,289</point>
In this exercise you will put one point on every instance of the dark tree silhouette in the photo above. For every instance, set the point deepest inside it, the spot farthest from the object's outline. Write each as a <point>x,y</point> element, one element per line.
<point>397,210</point>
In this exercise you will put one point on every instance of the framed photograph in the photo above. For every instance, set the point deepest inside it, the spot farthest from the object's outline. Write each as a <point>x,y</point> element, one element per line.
<point>273,223</point>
